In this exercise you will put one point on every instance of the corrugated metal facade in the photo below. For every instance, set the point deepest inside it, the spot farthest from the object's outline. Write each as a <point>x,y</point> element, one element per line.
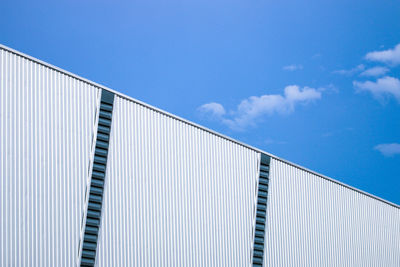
<point>175,195</point>
<point>46,127</point>
<point>315,222</point>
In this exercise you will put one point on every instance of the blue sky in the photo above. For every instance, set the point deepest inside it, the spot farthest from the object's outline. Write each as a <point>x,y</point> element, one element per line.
<point>314,82</point>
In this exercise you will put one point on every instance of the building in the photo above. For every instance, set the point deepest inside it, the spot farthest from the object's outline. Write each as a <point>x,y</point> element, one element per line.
<point>89,176</point>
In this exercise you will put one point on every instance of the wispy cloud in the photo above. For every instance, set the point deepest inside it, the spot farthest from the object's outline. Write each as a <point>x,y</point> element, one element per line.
<point>270,141</point>
<point>390,56</point>
<point>330,88</point>
<point>352,71</point>
<point>214,109</point>
<point>253,108</point>
<point>337,132</point>
<point>315,56</point>
<point>293,67</point>
<point>388,150</point>
<point>375,71</point>
<point>386,86</point>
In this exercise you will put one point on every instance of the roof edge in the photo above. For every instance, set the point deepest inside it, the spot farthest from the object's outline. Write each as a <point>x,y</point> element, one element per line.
<point>6,48</point>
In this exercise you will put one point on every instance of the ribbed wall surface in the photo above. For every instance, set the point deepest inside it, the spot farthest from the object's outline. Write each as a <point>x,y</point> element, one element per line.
<point>314,222</point>
<point>46,127</point>
<point>175,195</point>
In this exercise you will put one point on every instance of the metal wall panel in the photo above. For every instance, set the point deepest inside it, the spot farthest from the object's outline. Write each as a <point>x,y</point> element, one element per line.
<point>315,222</point>
<point>175,195</point>
<point>46,127</point>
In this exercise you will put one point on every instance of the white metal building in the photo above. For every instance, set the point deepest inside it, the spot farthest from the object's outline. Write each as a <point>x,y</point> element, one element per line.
<point>89,176</point>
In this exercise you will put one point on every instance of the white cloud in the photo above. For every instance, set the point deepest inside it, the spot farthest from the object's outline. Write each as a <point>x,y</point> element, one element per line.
<point>294,94</point>
<point>375,71</point>
<point>388,150</point>
<point>215,109</point>
<point>352,71</point>
<point>251,109</point>
<point>330,88</point>
<point>293,67</point>
<point>382,87</point>
<point>390,56</point>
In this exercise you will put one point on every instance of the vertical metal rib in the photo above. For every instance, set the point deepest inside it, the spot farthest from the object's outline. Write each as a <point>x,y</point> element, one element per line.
<point>96,189</point>
<point>261,210</point>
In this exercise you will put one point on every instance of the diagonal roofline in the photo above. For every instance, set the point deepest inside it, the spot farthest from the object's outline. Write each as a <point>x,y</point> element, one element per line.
<point>6,48</point>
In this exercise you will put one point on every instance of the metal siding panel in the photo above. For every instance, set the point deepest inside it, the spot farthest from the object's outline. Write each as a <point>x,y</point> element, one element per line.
<point>78,78</point>
<point>175,195</point>
<point>169,201</point>
<point>315,222</point>
<point>46,124</point>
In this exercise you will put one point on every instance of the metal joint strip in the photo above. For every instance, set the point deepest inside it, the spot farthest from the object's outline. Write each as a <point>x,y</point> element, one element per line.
<point>261,211</point>
<point>98,175</point>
